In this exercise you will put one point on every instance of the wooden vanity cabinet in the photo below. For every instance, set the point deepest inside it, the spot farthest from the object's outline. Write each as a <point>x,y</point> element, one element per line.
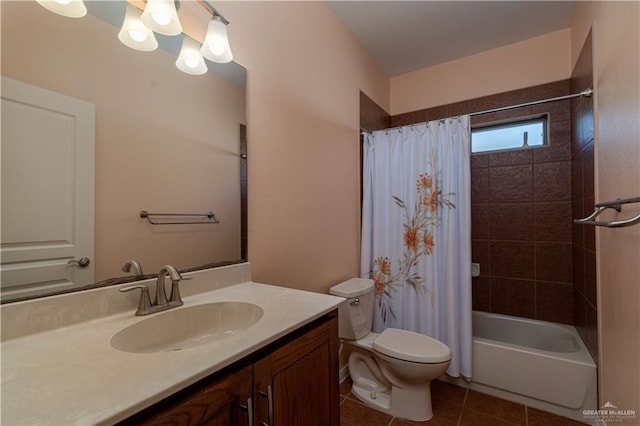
<point>292,382</point>
<point>297,384</point>
<point>220,403</point>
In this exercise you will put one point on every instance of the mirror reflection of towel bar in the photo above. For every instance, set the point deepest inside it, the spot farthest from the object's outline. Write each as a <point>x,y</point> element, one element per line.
<point>617,206</point>
<point>210,218</point>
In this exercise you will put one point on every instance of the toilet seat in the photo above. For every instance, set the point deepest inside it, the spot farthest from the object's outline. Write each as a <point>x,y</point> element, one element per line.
<point>410,346</point>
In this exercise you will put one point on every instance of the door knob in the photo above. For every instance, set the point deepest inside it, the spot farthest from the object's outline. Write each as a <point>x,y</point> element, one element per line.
<point>83,262</point>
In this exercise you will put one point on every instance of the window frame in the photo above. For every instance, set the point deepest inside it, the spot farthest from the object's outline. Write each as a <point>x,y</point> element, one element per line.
<point>511,122</point>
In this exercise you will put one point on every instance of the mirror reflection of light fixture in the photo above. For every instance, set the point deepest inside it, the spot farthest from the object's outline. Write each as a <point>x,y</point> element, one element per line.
<point>216,43</point>
<point>68,8</point>
<point>190,59</point>
<point>161,16</point>
<point>134,33</point>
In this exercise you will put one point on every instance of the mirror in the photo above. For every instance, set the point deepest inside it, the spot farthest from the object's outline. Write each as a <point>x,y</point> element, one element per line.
<point>165,141</point>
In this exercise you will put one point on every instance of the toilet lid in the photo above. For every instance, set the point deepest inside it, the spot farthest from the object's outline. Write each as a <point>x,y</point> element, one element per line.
<point>354,287</point>
<point>410,346</point>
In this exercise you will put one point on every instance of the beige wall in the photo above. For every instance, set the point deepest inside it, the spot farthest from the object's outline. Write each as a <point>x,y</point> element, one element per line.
<point>163,142</point>
<point>616,35</point>
<point>530,62</point>
<point>304,75</point>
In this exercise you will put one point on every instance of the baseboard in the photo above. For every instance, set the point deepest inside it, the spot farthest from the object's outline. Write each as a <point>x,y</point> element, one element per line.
<point>344,373</point>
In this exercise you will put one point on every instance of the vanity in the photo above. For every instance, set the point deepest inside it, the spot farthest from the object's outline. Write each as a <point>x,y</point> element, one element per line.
<point>84,358</point>
<point>236,352</point>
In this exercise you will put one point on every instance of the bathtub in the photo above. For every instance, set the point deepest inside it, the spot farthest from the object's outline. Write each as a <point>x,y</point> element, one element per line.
<point>536,363</point>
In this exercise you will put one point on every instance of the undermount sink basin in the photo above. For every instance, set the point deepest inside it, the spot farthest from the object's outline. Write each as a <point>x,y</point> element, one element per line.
<point>186,327</point>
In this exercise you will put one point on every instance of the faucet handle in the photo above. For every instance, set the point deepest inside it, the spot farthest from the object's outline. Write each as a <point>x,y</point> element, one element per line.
<point>175,299</point>
<point>144,304</point>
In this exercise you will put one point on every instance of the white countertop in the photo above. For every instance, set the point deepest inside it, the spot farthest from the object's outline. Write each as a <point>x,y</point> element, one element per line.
<point>72,375</point>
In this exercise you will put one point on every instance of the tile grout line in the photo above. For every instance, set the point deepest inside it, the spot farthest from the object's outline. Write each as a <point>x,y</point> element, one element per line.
<point>464,402</point>
<point>392,420</point>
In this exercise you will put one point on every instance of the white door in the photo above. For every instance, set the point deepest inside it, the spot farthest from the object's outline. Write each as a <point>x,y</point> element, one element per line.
<point>47,205</point>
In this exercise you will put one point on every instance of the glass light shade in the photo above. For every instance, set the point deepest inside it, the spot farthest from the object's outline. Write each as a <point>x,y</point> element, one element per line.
<point>161,17</point>
<point>135,34</point>
<point>190,59</point>
<point>69,8</point>
<point>216,43</point>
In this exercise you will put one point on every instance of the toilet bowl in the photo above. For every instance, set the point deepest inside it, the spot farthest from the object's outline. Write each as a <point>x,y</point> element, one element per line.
<point>391,371</point>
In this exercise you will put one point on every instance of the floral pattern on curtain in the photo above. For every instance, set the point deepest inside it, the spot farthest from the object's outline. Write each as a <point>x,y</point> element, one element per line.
<point>418,241</point>
<point>416,232</point>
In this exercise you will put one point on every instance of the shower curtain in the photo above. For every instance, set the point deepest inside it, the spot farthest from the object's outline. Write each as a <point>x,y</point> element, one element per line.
<point>416,232</point>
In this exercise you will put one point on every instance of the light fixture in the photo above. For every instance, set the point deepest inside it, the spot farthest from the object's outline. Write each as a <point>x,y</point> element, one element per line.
<point>134,33</point>
<point>216,43</point>
<point>161,17</point>
<point>69,8</point>
<point>190,59</point>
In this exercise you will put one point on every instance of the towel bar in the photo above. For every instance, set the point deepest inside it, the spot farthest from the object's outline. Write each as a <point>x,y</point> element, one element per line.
<point>615,205</point>
<point>211,218</point>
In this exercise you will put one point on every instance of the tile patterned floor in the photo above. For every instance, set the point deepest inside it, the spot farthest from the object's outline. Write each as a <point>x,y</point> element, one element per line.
<point>452,406</point>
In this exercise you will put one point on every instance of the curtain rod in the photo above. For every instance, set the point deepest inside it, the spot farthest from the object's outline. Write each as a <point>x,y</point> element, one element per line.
<point>585,93</point>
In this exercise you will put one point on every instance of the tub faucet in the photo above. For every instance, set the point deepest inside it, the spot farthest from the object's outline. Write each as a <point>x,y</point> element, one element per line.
<point>145,307</point>
<point>137,267</point>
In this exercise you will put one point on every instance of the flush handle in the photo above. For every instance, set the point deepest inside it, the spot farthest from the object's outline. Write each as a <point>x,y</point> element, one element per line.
<point>355,302</point>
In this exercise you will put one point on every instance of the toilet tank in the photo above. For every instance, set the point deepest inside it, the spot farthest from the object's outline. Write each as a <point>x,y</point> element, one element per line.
<point>355,317</point>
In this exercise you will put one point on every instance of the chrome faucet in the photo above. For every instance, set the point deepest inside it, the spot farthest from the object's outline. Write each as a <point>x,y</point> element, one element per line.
<point>137,267</point>
<point>145,307</point>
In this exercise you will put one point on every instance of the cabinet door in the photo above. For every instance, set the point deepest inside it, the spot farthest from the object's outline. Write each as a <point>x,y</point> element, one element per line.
<point>223,403</point>
<point>298,383</point>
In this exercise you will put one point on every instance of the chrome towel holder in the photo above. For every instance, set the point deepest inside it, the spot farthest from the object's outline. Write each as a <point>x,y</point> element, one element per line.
<point>209,217</point>
<point>617,206</point>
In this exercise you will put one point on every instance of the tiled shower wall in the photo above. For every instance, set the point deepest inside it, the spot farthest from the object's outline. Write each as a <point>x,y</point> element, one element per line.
<point>521,223</point>
<point>582,172</point>
<point>521,205</point>
<point>244,228</point>
<point>372,116</point>
<point>521,209</point>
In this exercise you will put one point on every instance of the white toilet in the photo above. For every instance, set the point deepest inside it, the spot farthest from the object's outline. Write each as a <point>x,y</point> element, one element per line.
<point>391,371</point>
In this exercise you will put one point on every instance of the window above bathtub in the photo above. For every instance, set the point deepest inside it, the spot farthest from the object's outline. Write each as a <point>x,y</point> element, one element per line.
<point>521,134</point>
